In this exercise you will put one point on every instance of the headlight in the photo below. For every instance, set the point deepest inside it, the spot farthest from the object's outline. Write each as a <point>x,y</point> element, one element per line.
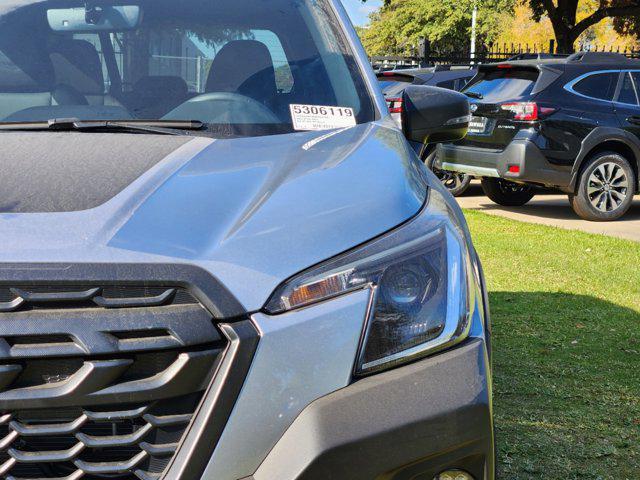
<point>421,280</point>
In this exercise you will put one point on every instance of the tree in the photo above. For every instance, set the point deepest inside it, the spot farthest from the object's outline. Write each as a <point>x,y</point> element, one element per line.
<point>567,26</point>
<point>399,24</point>
<point>521,28</point>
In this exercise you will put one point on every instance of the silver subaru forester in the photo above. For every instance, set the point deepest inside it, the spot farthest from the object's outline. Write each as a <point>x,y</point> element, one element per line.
<point>221,259</point>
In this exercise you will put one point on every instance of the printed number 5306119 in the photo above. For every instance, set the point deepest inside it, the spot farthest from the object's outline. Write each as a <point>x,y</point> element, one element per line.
<point>313,110</point>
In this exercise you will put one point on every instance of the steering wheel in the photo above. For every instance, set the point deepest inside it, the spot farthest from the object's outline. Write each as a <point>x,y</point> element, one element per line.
<point>211,108</point>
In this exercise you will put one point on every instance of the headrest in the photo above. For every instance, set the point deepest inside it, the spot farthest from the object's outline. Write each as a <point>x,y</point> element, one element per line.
<point>151,85</point>
<point>77,63</point>
<point>243,66</point>
<point>25,66</point>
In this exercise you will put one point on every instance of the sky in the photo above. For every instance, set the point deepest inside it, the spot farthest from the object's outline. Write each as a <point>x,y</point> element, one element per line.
<point>359,12</point>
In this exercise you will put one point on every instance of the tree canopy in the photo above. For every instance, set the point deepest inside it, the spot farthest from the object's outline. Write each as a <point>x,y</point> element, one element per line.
<point>399,24</point>
<point>568,26</point>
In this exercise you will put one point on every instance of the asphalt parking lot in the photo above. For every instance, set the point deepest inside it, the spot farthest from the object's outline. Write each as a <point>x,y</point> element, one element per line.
<point>554,210</point>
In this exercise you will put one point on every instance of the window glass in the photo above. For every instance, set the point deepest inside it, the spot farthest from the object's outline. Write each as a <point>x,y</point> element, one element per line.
<point>393,89</point>
<point>504,84</point>
<point>627,91</point>
<point>598,85</point>
<point>464,81</point>
<point>235,65</point>
<point>450,84</point>
<point>636,80</point>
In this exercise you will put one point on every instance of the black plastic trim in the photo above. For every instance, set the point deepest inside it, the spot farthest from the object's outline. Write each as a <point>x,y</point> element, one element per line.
<point>231,366</point>
<point>534,166</point>
<point>597,137</point>
<point>198,282</point>
<point>200,441</point>
<point>408,423</point>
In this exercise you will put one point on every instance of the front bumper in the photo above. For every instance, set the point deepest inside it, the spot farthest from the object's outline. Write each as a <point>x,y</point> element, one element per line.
<point>533,166</point>
<point>411,422</point>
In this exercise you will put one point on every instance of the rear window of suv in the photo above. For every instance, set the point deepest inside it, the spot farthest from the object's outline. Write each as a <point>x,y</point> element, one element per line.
<point>503,84</point>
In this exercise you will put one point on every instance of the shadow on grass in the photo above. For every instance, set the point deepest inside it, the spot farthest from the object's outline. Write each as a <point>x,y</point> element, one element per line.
<point>566,386</point>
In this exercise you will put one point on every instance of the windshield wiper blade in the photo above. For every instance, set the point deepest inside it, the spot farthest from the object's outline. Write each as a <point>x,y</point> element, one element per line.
<point>477,96</point>
<point>165,127</point>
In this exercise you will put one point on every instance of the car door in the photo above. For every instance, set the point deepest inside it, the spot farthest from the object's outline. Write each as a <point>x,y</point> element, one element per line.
<point>626,103</point>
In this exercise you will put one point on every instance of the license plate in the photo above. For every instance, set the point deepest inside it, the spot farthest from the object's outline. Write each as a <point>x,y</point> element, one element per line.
<point>478,124</point>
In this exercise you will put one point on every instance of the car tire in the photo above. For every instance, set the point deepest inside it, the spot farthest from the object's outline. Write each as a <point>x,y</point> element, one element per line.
<point>506,193</point>
<point>456,183</point>
<point>605,188</point>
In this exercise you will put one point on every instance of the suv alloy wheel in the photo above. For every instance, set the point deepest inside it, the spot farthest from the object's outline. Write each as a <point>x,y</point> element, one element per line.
<point>506,193</point>
<point>605,188</point>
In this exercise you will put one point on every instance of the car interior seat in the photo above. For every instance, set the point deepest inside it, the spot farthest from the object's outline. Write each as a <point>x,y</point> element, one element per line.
<point>244,67</point>
<point>154,96</point>
<point>27,77</point>
<point>77,64</point>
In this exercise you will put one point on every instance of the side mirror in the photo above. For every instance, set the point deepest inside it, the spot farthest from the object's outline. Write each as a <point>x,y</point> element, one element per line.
<point>433,114</point>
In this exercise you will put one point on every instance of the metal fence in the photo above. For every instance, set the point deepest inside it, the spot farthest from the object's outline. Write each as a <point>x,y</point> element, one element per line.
<point>485,54</point>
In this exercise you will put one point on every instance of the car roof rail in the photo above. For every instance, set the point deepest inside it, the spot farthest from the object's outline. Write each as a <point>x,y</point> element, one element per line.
<point>537,56</point>
<point>599,57</point>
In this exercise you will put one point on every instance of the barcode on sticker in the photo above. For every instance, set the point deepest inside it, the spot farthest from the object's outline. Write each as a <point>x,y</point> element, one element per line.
<point>321,117</point>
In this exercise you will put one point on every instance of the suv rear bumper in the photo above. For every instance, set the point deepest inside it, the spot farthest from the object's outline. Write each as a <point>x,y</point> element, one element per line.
<point>533,167</point>
<point>414,421</point>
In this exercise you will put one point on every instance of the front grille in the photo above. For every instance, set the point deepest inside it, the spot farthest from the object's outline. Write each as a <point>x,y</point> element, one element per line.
<point>100,381</point>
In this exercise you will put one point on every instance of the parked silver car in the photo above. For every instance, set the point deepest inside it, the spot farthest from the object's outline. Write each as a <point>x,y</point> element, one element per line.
<point>220,257</point>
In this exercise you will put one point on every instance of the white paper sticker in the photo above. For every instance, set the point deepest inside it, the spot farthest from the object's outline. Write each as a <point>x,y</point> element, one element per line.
<point>320,117</point>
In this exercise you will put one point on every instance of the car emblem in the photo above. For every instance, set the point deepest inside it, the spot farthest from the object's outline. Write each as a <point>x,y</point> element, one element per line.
<point>473,107</point>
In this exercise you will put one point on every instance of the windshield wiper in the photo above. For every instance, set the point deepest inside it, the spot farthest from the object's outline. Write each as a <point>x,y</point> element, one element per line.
<point>477,96</point>
<point>163,127</point>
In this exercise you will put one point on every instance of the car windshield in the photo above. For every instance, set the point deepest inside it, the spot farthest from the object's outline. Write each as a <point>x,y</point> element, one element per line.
<point>242,67</point>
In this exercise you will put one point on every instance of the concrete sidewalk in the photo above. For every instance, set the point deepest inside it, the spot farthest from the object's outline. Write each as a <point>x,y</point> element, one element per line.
<point>554,210</point>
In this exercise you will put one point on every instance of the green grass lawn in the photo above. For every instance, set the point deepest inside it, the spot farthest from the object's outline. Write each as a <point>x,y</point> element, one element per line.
<point>566,343</point>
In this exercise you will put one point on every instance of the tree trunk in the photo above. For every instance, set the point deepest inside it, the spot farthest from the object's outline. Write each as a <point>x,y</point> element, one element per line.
<point>565,43</point>
<point>563,19</point>
<point>564,35</point>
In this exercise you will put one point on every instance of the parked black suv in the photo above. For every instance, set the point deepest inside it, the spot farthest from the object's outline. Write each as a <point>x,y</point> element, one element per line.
<point>456,77</point>
<point>568,123</point>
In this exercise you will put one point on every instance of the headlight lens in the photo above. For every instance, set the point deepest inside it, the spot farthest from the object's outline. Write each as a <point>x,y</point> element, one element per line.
<point>420,277</point>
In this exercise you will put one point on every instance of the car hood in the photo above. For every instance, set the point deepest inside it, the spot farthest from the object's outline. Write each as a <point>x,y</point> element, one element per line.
<point>251,211</point>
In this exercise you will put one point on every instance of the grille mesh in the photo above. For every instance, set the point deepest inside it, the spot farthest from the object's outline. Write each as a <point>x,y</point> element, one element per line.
<point>99,381</point>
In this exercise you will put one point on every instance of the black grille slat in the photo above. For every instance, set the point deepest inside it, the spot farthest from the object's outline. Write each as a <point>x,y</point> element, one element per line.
<point>119,415</point>
<point>90,330</point>
<point>46,457</point>
<point>133,302</point>
<point>19,297</point>
<point>48,428</point>
<point>11,305</point>
<point>99,381</point>
<point>54,297</point>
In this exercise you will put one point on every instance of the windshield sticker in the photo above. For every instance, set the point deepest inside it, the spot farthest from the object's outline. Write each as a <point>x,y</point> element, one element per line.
<point>318,117</point>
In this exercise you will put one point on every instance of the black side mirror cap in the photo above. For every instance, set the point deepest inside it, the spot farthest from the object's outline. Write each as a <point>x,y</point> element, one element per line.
<point>433,114</point>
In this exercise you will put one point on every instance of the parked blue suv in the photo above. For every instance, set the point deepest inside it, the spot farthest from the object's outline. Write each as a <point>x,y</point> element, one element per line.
<point>220,257</point>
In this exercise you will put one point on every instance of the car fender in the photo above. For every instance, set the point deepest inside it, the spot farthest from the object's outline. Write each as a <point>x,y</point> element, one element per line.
<point>598,136</point>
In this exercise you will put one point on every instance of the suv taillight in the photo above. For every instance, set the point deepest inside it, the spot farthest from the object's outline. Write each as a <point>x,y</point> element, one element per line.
<point>395,108</point>
<point>527,111</point>
<point>395,105</point>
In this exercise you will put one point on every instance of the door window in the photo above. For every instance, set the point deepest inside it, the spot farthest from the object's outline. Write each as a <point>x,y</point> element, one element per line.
<point>627,91</point>
<point>598,85</point>
<point>635,77</point>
